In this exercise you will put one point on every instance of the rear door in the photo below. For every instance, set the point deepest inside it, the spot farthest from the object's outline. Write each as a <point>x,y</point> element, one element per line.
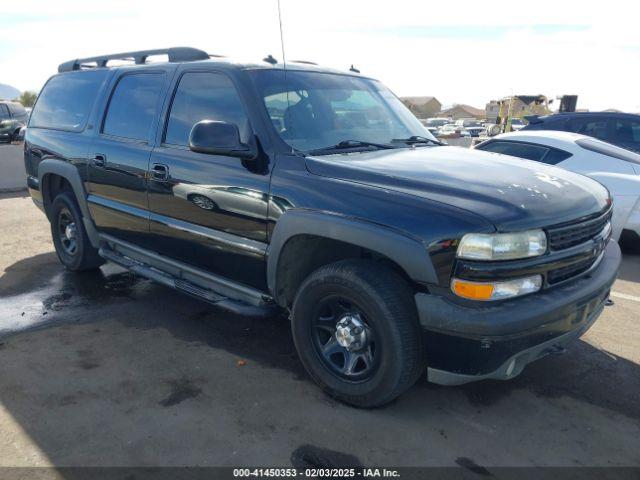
<point>208,210</point>
<point>119,156</point>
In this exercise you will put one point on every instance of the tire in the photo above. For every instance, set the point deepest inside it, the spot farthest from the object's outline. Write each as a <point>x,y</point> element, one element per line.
<point>72,244</point>
<point>358,295</point>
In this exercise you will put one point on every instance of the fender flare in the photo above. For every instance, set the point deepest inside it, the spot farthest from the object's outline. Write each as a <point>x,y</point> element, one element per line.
<point>408,252</point>
<point>70,173</point>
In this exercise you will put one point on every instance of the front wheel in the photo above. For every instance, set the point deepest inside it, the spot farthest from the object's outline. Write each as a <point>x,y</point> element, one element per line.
<point>356,330</point>
<point>70,237</point>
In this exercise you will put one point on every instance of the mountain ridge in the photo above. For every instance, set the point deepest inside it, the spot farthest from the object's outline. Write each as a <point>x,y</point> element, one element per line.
<point>7,92</point>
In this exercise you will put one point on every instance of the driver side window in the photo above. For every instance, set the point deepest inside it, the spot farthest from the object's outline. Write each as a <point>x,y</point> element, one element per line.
<point>204,96</point>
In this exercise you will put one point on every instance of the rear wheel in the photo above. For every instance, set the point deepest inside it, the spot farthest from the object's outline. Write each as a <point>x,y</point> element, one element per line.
<point>70,237</point>
<point>355,328</point>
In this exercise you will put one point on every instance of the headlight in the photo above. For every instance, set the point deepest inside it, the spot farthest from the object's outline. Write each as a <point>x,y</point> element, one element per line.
<point>502,246</point>
<point>496,290</point>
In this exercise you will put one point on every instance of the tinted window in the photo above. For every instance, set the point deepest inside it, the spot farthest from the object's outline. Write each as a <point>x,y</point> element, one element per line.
<point>4,112</point>
<point>317,110</point>
<point>66,101</point>
<point>593,127</point>
<point>515,149</point>
<point>133,106</point>
<point>204,96</point>
<point>555,156</point>
<point>17,110</point>
<point>627,131</point>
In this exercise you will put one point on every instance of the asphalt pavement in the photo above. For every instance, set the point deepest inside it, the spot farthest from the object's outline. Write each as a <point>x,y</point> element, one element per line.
<point>108,369</point>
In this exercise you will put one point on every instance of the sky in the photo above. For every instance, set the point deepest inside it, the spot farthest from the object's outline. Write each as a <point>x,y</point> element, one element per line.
<point>460,52</point>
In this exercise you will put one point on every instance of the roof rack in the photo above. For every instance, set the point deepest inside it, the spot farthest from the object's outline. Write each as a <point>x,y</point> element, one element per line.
<point>175,54</point>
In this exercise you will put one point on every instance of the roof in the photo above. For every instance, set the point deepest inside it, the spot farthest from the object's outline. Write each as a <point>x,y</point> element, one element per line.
<point>474,112</point>
<point>418,101</point>
<point>139,59</point>
<point>571,142</point>
<point>586,114</point>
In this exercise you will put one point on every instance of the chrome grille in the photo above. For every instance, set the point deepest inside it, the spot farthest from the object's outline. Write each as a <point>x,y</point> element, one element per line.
<point>569,236</point>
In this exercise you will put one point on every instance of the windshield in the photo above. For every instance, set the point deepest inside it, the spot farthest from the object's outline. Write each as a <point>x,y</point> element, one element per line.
<point>312,110</point>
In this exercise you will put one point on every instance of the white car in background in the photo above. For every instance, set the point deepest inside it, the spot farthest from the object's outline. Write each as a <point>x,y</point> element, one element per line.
<point>453,129</point>
<point>616,168</point>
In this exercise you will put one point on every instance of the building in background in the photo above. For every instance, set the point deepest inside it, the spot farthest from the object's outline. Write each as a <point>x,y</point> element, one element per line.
<point>521,106</point>
<point>462,111</point>
<point>422,107</point>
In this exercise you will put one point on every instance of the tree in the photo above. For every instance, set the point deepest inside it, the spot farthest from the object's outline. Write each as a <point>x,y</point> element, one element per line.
<point>27,98</point>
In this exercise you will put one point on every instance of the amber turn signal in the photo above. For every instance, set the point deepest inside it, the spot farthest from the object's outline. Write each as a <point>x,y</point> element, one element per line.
<point>496,290</point>
<point>472,290</point>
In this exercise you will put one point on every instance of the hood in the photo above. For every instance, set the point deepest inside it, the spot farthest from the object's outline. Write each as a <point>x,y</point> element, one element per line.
<point>513,194</point>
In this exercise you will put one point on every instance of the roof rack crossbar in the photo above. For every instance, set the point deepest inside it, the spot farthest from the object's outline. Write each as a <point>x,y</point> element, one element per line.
<point>175,54</point>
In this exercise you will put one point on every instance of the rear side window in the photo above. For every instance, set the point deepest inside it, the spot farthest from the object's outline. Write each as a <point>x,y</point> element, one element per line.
<point>556,156</point>
<point>66,101</point>
<point>539,153</point>
<point>133,105</point>
<point>204,96</point>
<point>4,112</point>
<point>515,149</point>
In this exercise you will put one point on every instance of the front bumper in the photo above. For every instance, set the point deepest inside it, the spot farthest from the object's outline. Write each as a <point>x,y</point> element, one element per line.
<point>465,343</point>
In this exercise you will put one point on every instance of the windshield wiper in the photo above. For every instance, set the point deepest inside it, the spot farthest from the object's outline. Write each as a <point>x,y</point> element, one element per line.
<point>349,144</point>
<point>412,140</point>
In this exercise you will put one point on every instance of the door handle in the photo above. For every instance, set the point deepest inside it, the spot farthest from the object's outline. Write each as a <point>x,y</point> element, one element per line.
<point>160,172</point>
<point>99,160</point>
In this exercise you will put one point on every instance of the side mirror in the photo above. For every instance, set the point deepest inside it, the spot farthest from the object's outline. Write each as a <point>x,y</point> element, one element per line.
<point>219,138</point>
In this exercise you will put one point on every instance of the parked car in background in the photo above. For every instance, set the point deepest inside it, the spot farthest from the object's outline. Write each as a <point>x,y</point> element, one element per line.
<point>621,129</point>
<point>517,124</point>
<point>453,130</point>
<point>468,122</point>
<point>476,131</point>
<point>13,116</point>
<point>436,122</point>
<point>433,131</point>
<point>616,168</point>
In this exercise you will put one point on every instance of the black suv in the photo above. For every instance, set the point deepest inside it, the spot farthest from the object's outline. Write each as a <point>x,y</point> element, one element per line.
<point>621,129</point>
<point>264,188</point>
<point>13,116</point>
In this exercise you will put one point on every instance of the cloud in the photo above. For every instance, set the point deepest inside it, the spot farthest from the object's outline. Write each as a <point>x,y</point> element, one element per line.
<point>467,54</point>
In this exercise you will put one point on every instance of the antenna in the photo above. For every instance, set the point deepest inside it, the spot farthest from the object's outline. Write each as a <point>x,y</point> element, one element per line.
<point>284,58</point>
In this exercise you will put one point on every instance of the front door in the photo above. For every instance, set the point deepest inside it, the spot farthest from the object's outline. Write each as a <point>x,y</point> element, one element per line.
<point>208,210</point>
<point>119,156</point>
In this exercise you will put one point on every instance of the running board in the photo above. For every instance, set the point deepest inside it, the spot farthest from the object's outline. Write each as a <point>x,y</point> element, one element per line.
<point>266,309</point>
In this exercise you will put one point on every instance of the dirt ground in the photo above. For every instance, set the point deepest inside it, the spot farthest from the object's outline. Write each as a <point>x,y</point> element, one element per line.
<point>109,369</point>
